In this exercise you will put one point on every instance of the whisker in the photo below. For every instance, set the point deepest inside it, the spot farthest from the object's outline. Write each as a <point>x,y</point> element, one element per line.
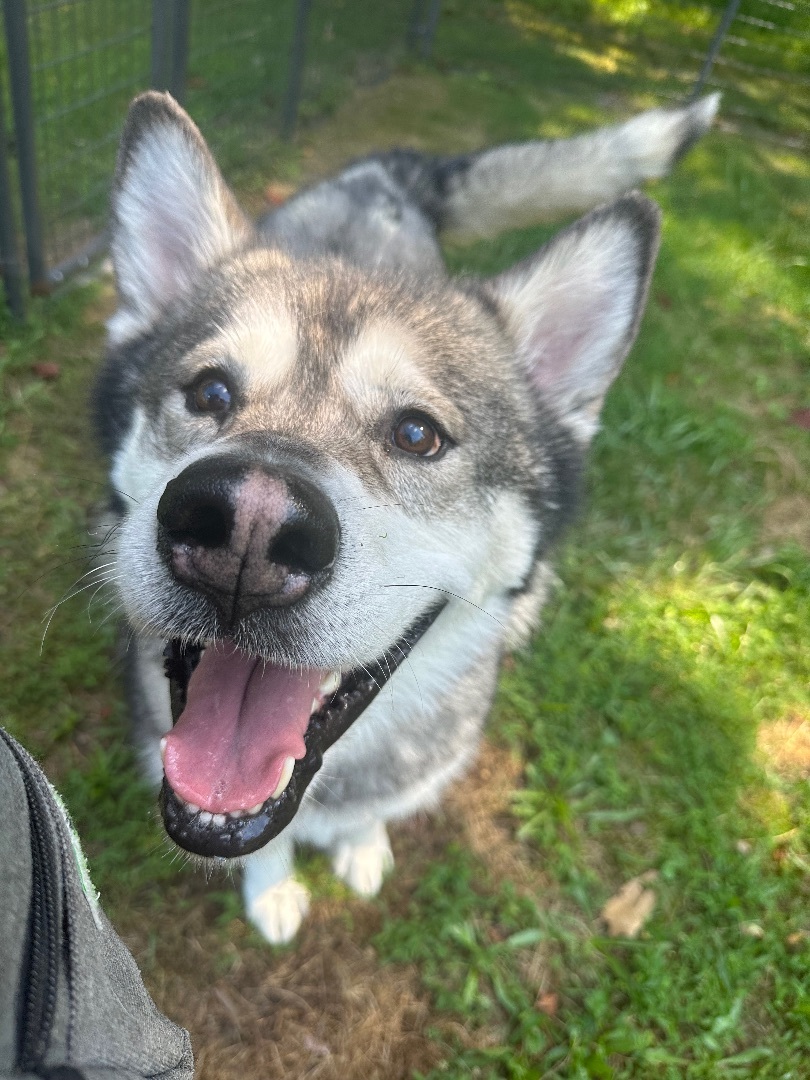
<point>99,483</point>
<point>447,592</point>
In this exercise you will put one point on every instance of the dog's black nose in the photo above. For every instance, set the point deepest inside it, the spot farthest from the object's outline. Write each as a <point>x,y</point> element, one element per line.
<point>246,536</point>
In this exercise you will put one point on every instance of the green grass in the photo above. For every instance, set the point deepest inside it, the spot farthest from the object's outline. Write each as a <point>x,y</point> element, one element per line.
<point>657,717</point>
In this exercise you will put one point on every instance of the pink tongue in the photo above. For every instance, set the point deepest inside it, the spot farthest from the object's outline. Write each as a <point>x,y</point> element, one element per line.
<point>242,719</point>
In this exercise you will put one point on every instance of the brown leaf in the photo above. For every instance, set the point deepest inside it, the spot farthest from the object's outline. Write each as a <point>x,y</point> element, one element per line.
<point>626,913</point>
<point>801,418</point>
<point>276,194</point>
<point>547,1003</point>
<point>47,370</point>
<point>798,939</point>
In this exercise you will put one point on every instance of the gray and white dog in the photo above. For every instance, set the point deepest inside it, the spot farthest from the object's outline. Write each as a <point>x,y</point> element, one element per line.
<point>338,475</point>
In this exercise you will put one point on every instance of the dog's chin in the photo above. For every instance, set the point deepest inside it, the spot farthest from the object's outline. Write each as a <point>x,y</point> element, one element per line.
<point>250,736</point>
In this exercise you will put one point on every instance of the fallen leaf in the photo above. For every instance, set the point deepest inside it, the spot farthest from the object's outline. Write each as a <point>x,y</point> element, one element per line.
<point>47,370</point>
<point>797,938</point>
<point>801,418</point>
<point>547,1003</point>
<point>752,929</point>
<point>626,913</point>
<point>744,847</point>
<point>276,194</point>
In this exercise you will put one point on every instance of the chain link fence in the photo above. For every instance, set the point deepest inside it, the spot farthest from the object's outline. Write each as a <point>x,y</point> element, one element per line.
<point>68,69</point>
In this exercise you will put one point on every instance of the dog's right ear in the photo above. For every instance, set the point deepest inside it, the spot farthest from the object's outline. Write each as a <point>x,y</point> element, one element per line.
<point>573,308</point>
<point>172,215</point>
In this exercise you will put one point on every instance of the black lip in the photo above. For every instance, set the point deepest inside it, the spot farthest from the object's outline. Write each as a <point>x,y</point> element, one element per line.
<point>243,835</point>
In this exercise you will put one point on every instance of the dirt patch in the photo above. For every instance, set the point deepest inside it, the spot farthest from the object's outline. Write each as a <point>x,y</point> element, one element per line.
<point>786,745</point>
<point>788,518</point>
<point>481,803</point>
<point>325,1007</point>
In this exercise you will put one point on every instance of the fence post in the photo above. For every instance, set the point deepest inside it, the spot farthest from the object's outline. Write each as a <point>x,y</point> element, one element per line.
<point>19,67</point>
<point>422,26</point>
<point>161,44</point>
<point>11,270</point>
<point>429,28</point>
<point>171,22</point>
<point>181,25</point>
<point>295,78</point>
<point>714,48</point>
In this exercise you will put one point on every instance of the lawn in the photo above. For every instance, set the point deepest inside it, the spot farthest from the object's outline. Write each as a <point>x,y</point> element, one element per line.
<point>658,726</point>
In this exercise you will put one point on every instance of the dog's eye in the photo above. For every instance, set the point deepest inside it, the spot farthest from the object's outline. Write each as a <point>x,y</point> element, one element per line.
<point>417,435</point>
<point>210,395</point>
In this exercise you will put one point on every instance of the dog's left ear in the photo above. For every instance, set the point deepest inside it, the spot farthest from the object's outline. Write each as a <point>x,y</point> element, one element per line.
<point>172,213</point>
<point>573,309</point>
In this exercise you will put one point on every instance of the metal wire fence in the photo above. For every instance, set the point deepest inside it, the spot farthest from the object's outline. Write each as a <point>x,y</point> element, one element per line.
<point>69,67</point>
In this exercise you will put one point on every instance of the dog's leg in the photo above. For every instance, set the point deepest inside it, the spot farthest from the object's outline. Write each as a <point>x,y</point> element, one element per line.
<point>363,858</point>
<point>275,902</point>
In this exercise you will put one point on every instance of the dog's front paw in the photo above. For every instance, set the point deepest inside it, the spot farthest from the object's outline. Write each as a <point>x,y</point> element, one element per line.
<point>364,860</point>
<point>278,912</point>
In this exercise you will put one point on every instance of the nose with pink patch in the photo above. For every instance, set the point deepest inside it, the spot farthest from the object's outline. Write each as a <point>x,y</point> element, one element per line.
<point>247,536</point>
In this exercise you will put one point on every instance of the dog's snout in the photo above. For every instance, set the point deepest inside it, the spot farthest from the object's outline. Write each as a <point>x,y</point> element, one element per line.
<point>247,536</point>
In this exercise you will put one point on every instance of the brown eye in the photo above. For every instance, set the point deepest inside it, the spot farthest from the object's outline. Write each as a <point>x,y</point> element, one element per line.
<point>210,395</point>
<point>417,435</point>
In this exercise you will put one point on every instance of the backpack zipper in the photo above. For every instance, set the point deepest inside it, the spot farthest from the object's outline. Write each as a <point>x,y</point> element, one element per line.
<point>40,980</point>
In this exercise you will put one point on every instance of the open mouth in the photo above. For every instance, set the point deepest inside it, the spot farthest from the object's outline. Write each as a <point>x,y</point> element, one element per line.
<point>249,736</point>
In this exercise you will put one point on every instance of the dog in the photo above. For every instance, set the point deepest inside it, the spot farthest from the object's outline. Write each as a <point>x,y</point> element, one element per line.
<point>338,476</point>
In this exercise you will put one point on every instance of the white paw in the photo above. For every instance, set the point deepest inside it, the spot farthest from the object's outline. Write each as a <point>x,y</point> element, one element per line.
<point>278,911</point>
<point>363,865</point>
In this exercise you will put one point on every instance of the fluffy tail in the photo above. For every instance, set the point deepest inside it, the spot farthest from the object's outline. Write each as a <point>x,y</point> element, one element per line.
<point>520,184</point>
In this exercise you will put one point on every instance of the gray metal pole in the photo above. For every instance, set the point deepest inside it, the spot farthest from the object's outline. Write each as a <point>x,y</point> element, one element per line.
<point>292,96</point>
<point>19,67</point>
<point>161,44</point>
<point>429,28</point>
<point>414,32</point>
<point>9,258</point>
<point>181,26</point>
<point>725,22</point>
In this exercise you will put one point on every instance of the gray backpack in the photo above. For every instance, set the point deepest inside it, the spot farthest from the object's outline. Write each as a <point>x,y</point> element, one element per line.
<point>72,1002</point>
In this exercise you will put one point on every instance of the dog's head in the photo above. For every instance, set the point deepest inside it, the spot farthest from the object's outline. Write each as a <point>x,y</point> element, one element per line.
<point>322,468</point>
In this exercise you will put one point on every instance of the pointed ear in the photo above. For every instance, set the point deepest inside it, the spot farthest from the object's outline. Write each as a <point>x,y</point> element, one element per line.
<point>573,309</point>
<point>172,215</point>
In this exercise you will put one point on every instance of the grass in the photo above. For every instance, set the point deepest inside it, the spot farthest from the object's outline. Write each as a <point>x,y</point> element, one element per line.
<point>659,722</point>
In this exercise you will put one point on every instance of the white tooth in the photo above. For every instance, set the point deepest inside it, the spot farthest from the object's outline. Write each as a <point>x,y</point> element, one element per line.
<point>192,807</point>
<point>163,749</point>
<point>330,684</point>
<point>255,809</point>
<point>284,779</point>
<point>206,818</point>
<point>314,706</point>
<point>236,813</point>
<point>218,820</point>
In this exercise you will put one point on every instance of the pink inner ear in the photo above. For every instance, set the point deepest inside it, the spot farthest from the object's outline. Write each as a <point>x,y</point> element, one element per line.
<point>169,253</point>
<point>563,338</point>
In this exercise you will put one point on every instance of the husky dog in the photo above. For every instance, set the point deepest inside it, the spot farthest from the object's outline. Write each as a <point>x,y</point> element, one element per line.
<point>339,475</point>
